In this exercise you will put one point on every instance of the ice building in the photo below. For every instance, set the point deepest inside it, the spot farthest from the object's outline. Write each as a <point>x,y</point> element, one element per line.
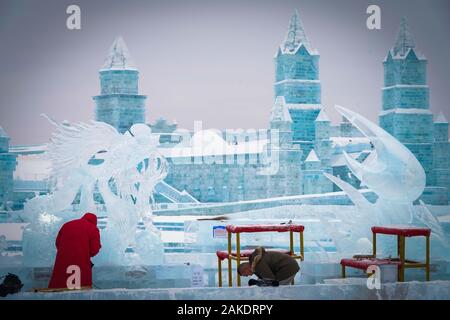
<point>7,167</point>
<point>406,114</point>
<point>297,80</point>
<point>300,144</point>
<point>119,103</point>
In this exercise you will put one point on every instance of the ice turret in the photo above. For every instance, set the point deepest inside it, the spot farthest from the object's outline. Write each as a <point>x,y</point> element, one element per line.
<point>280,112</point>
<point>119,57</point>
<point>295,36</point>
<point>322,117</point>
<point>441,118</point>
<point>312,157</point>
<point>404,40</point>
<point>119,103</point>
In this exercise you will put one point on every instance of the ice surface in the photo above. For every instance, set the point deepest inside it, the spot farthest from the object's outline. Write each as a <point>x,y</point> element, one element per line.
<point>354,290</point>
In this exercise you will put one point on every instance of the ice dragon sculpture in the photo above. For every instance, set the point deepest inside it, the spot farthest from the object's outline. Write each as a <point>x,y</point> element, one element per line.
<point>398,179</point>
<point>92,162</point>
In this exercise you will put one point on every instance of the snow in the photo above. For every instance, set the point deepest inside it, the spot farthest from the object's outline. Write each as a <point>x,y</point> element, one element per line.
<point>172,236</point>
<point>12,231</point>
<point>345,141</point>
<point>32,167</point>
<point>303,106</point>
<point>440,118</point>
<point>297,81</point>
<point>312,157</point>
<point>41,148</point>
<point>322,116</point>
<point>407,86</point>
<point>405,111</point>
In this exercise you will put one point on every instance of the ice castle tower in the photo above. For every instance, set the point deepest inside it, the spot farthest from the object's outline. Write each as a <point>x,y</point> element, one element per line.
<point>7,167</point>
<point>288,178</point>
<point>119,103</point>
<point>406,112</point>
<point>297,80</point>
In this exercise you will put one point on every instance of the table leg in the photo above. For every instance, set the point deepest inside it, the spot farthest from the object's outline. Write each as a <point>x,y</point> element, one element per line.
<point>291,242</point>
<point>219,269</point>
<point>238,258</point>
<point>230,271</point>
<point>374,244</point>
<point>302,248</point>
<point>343,271</point>
<point>402,249</point>
<point>428,259</point>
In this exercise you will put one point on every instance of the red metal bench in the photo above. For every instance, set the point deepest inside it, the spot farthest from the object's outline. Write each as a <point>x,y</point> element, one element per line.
<point>401,232</point>
<point>243,255</point>
<point>364,263</point>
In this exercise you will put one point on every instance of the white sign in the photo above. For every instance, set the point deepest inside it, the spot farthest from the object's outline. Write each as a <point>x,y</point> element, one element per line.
<point>219,232</point>
<point>197,276</point>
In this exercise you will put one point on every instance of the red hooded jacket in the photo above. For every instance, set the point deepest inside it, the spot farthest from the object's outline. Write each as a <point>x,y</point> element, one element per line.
<point>77,241</point>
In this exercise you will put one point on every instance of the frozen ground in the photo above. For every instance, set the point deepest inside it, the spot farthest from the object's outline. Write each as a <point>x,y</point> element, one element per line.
<point>346,290</point>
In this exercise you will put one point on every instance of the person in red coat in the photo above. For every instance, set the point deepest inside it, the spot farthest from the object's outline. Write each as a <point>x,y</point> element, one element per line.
<point>77,241</point>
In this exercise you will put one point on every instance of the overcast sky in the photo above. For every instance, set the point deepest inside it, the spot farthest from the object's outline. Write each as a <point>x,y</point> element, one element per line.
<point>203,60</point>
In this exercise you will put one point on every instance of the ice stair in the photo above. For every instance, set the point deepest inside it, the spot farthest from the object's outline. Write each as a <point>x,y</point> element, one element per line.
<point>173,195</point>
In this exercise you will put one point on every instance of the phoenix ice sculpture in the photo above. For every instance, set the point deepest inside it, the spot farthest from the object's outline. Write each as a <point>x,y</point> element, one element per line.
<point>93,159</point>
<point>397,177</point>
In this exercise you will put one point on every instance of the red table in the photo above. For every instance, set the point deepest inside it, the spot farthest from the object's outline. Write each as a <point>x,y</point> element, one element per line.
<point>364,263</point>
<point>402,232</point>
<point>242,255</point>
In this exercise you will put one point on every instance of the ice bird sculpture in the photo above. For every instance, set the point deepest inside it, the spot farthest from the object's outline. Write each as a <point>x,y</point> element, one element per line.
<point>93,158</point>
<point>394,174</point>
<point>391,170</point>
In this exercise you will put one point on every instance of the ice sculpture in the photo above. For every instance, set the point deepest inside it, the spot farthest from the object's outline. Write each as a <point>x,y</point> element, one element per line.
<point>122,169</point>
<point>397,177</point>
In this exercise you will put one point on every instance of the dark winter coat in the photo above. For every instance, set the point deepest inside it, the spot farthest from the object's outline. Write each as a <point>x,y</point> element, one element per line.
<point>273,265</point>
<point>77,241</point>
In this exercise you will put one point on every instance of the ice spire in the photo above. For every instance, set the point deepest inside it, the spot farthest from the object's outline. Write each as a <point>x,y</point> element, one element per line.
<point>441,118</point>
<point>3,133</point>
<point>280,111</point>
<point>404,40</point>
<point>295,36</point>
<point>119,57</point>
<point>312,157</point>
<point>322,117</point>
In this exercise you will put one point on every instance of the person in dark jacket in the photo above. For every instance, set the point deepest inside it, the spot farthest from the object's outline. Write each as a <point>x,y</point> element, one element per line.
<point>77,241</point>
<point>271,267</point>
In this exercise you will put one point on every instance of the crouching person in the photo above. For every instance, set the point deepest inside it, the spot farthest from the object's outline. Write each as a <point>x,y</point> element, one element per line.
<point>271,267</point>
<point>77,241</point>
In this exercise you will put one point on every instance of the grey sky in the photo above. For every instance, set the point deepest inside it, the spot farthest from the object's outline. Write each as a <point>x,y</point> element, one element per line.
<point>203,60</point>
